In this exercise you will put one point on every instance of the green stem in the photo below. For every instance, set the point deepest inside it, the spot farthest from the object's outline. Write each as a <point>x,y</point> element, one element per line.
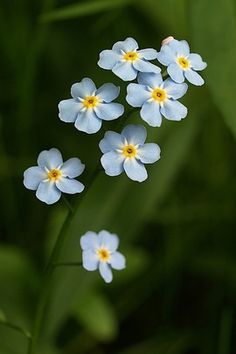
<point>18,329</point>
<point>52,264</point>
<point>41,309</point>
<point>68,204</point>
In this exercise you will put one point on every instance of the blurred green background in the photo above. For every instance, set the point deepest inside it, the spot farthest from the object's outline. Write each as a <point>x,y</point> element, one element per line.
<point>177,229</point>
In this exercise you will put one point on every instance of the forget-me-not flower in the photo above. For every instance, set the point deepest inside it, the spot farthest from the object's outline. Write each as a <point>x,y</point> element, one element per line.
<point>157,98</point>
<point>181,63</point>
<point>128,152</point>
<point>125,60</point>
<point>52,176</point>
<point>100,252</point>
<point>89,105</point>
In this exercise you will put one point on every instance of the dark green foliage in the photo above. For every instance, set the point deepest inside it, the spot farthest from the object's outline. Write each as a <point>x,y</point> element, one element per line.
<point>177,229</point>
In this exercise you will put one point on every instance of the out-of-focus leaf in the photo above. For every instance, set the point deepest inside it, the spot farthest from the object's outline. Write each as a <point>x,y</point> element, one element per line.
<point>137,260</point>
<point>216,267</point>
<point>12,342</point>
<point>168,15</point>
<point>2,316</point>
<point>214,36</point>
<point>83,9</point>
<point>16,273</point>
<point>163,343</point>
<point>96,314</point>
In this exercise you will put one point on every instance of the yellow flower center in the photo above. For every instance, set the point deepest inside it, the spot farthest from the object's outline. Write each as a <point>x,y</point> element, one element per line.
<point>103,254</point>
<point>129,151</point>
<point>90,101</point>
<point>183,62</point>
<point>131,56</point>
<point>54,175</point>
<point>159,95</point>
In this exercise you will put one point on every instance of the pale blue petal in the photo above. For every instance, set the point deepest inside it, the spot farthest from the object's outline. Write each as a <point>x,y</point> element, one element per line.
<point>105,271</point>
<point>50,158</point>
<point>149,79</point>
<point>109,111</point>
<point>193,77</point>
<point>72,168</point>
<point>180,47</point>
<point>89,241</point>
<point>108,59</point>
<point>70,186</point>
<point>84,88</point>
<point>150,113</point>
<point>48,193</point>
<point>135,170</point>
<point>176,73</point>
<point>33,176</point>
<point>108,240</point>
<point>175,90</point>
<point>149,153</point>
<point>166,56</point>
<point>196,61</point>
<point>117,261</point>
<point>135,134</point>
<point>68,110</point>
<point>112,162</point>
<point>90,260</point>
<point>111,141</point>
<point>146,67</point>
<point>125,71</point>
<point>137,95</point>
<point>148,54</point>
<point>88,122</point>
<point>128,45</point>
<point>174,110</point>
<point>108,92</point>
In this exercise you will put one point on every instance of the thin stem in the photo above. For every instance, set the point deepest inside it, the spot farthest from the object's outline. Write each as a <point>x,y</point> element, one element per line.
<point>67,203</point>
<point>20,330</point>
<point>41,309</point>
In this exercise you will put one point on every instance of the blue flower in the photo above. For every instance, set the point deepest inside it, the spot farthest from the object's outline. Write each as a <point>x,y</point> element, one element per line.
<point>100,252</point>
<point>181,63</point>
<point>125,60</point>
<point>89,105</point>
<point>128,152</point>
<point>157,98</point>
<point>52,176</point>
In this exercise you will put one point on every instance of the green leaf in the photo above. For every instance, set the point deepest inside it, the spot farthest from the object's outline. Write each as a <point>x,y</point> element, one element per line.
<point>16,273</point>
<point>214,37</point>
<point>170,15</point>
<point>2,316</point>
<point>96,314</point>
<point>83,9</point>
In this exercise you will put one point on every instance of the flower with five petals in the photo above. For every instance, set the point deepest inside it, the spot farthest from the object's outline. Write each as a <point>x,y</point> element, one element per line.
<point>52,176</point>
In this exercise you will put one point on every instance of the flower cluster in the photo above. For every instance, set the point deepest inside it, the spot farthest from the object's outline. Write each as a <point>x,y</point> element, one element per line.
<point>156,92</point>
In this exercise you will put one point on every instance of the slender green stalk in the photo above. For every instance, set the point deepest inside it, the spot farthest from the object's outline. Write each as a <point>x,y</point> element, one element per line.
<point>18,329</point>
<point>68,204</point>
<point>41,309</point>
<point>52,264</point>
